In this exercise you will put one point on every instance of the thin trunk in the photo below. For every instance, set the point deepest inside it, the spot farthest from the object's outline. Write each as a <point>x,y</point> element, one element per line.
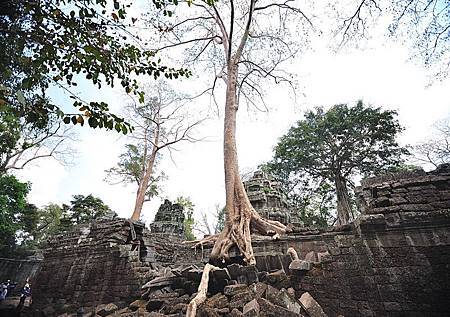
<point>343,201</point>
<point>142,189</point>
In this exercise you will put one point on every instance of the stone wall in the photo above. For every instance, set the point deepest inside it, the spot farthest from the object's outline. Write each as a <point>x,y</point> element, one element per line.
<point>393,261</point>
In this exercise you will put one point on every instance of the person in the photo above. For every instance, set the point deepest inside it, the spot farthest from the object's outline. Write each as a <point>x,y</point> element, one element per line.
<point>3,291</point>
<point>24,293</point>
<point>4,287</point>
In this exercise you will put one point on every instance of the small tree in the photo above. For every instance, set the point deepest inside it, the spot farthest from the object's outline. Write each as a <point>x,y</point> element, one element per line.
<point>159,124</point>
<point>189,221</point>
<point>337,144</point>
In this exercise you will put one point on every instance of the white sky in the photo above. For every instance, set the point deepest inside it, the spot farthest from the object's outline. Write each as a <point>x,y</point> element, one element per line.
<point>380,75</point>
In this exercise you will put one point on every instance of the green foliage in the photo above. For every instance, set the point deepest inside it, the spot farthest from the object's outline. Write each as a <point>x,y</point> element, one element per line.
<point>83,209</point>
<point>130,167</point>
<point>336,144</point>
<point>15,213</point>
<point>58,43</point>
<point>189,221</point>
<point>220,220</point>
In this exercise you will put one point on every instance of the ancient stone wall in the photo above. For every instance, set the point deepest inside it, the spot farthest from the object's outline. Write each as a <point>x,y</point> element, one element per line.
<point>393,261</point>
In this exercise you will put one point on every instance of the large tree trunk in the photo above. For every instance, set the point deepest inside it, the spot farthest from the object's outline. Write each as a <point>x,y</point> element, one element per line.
<point>343,201</point>
<point>241,218</point>
<point>142,189</point>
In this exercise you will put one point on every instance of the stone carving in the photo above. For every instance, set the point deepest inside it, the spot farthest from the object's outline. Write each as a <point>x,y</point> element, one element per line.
<point>268,199</point>
<point>169,219</point>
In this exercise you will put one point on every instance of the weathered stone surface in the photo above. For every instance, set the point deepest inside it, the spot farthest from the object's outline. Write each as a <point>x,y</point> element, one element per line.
<point>231,290</point>
<point>299,266</point>
<point>139,303</point>
<point>106,309</point>
<point>266,196</point>
<point>169,219</point>
<point>311,306</point>
<point>267,309</point>
<point>251,309</point>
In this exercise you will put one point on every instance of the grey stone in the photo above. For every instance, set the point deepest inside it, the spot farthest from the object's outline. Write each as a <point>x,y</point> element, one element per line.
<point>251,309</point>
<point>311,306</point>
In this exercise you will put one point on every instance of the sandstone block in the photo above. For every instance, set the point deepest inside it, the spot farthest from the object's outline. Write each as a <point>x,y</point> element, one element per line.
<point>311,306</point>
<point>251,309</point>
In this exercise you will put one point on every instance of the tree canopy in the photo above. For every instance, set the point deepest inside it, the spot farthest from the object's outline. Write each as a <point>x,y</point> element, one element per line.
<point>86,208</point>
<point>334,146</point>
<point>59,43</point>
<point>15,213</point>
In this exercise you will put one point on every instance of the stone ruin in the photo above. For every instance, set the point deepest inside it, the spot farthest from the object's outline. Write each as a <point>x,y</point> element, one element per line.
<point>393,260</point>
<point>169,219</point>
<point>268,199</point>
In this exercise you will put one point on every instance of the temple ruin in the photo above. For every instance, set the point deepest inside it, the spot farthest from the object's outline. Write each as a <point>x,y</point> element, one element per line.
<point>391,261</point>
<point>268,199</point>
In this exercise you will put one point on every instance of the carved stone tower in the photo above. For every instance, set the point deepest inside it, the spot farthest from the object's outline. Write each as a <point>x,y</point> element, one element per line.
<point>169,219</point>
<point>268,199</point>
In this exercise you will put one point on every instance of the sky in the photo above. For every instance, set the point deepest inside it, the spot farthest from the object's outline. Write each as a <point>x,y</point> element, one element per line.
<point>381,74</point>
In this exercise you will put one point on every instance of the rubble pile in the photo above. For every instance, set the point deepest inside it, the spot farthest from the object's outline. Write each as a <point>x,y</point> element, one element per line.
<point>232,291</point>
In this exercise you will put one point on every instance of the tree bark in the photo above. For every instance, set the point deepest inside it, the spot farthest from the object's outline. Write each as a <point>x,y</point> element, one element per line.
<point>202,291</point>
<point>142,189</point>
<point>343,201</point>
<point>241,218</point>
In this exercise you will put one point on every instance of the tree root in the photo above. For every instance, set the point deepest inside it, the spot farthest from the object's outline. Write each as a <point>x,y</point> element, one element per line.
<point>291,251</point>
<point>202,290</point>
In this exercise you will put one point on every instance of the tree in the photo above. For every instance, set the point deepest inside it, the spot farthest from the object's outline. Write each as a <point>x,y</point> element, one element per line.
<point>83,209</point>
<point>242,44</point>
<point>160,123</point>
<point>13,209</point>
<point>59,43</point>
<point>52,219</point>
<point>22,142</point>
<point>189,221</point>
<point>436,150</point>
<point>335,145</point>
<point>426,23</point>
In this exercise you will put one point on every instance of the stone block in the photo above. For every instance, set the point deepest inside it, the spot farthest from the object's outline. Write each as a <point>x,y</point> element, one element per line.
<point>140,303</point>
<point>106,309</point>
<point>251,309</point>
<point>267,309</point>
<point>299,267</point>
<point>311,306</point>
<point>231,290</point>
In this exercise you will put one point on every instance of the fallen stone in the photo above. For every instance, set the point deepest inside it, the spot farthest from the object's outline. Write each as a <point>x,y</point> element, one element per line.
<point>178,308</point>
<point>158,282</point>
<point>311,306</point>
<point>251,309</point>
<point>240,299</point>
<point>283,299</point>
<point>217,301</point>
<point>279,279</point>
<point>259,289</point>
<point>106,309</point>
<point>299,266</point>
<point>140,303</point>
<point>267,309</point>
<point>271,293</point>
<point>231,290</point>
<point>236,313</point>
